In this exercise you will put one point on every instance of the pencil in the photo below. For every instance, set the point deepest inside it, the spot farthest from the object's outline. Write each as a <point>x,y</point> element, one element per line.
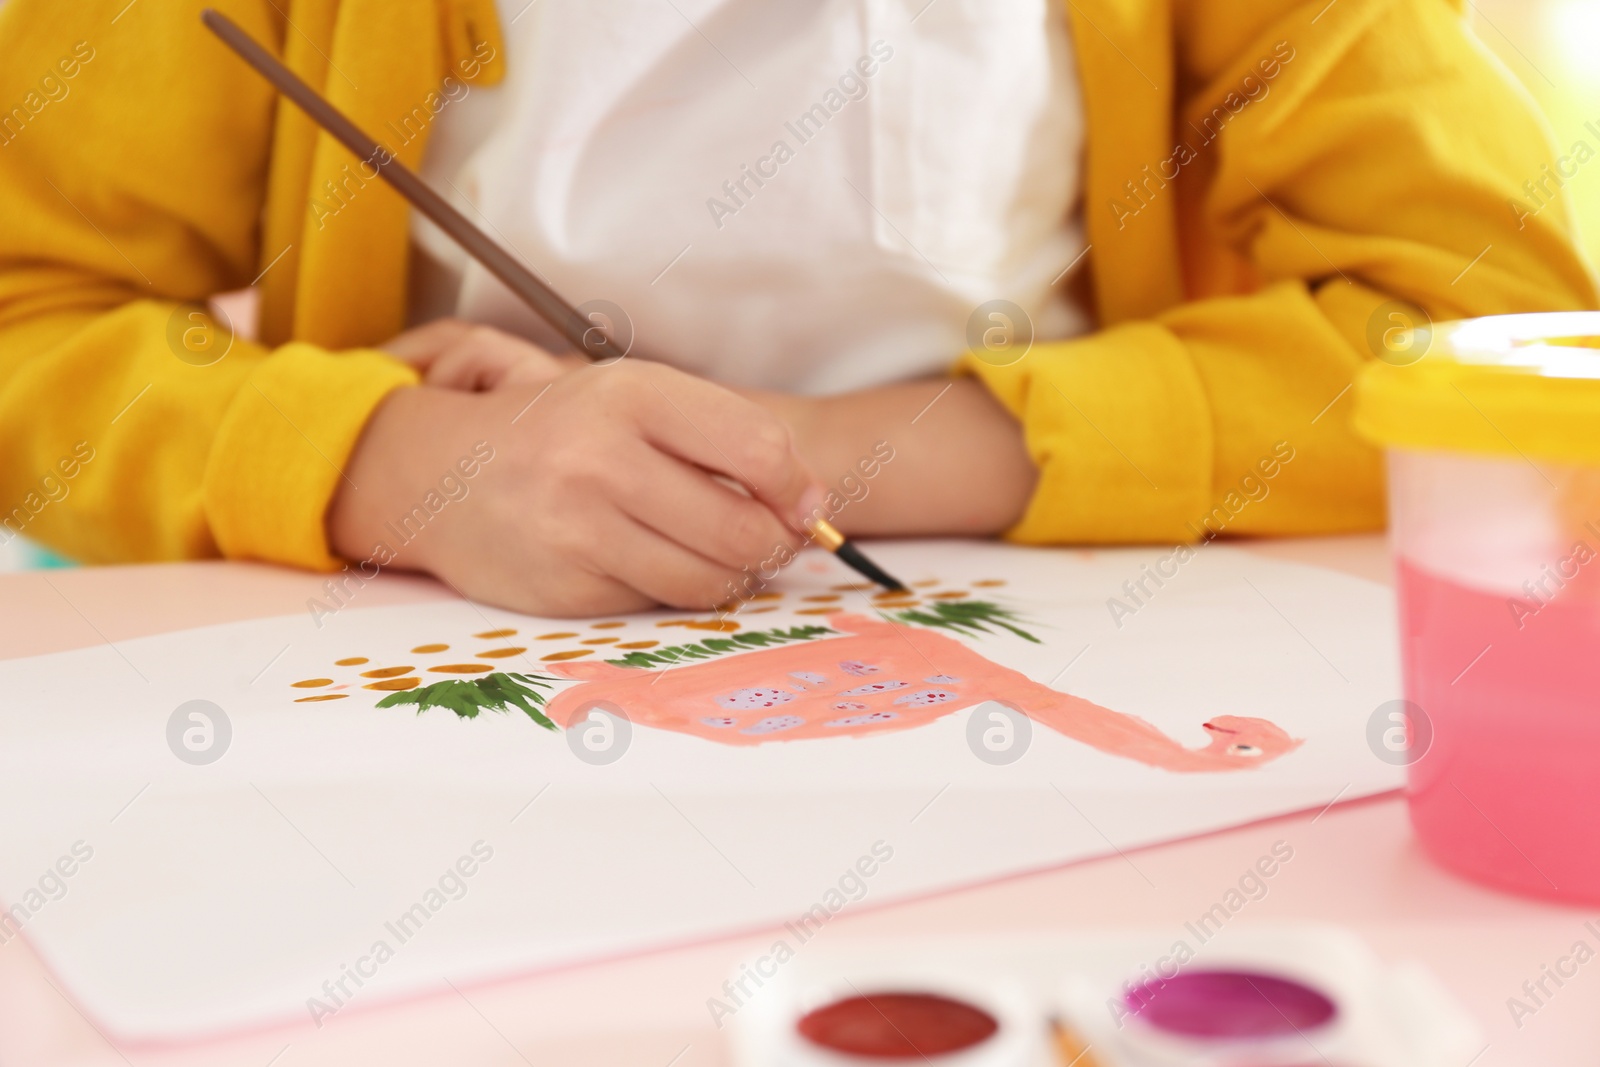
<point>588,338</point>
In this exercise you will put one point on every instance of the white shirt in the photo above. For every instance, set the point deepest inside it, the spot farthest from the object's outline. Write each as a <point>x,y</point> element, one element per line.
<point>811,195</point>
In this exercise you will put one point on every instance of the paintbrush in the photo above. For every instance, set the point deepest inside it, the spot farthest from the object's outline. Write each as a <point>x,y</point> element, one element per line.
<point>1069,1049</point>
<point>587,337</point>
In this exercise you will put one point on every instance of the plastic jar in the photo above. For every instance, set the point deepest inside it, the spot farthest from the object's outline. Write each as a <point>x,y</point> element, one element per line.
<point>1493,440</point>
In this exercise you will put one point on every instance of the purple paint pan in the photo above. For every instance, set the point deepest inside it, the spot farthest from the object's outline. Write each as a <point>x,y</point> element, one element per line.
<point>1230,1006</point>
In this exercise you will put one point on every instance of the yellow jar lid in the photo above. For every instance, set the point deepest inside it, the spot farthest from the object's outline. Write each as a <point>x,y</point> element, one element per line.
<point>1507,385</point>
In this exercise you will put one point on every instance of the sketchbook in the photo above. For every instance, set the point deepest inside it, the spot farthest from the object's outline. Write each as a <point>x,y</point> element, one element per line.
<point>289,818</point>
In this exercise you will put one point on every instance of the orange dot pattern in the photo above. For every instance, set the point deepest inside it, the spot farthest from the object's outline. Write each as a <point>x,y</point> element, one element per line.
<point>392,684</point>
<point>387,672</point>
<point>401,678</point>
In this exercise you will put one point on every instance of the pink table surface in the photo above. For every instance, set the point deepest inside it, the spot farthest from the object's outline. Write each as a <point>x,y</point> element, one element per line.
<point>1355,864</point>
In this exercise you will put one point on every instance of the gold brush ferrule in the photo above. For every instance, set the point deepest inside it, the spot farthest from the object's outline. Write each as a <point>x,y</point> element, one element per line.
<point>823,533</point>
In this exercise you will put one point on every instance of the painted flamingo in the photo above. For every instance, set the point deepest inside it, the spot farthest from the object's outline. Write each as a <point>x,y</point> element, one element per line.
<point>876,677</point>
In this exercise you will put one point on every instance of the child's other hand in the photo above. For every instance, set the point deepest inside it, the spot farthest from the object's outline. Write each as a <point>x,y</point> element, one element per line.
<point>455,354</point>
<point>945,458</point>
<point>602,494</point>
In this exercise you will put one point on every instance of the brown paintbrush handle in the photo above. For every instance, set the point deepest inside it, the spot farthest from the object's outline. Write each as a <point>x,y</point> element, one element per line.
<point>589,339</point>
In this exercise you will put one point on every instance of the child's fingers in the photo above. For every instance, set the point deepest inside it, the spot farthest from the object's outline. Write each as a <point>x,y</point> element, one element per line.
<point>659,567</point>
<point>575,591</point>
<point>723,432</point>
<point>537,371</point>
<point>483,359</point>
<point>422,345</point>
<point>471,369</point>
<point>689,506</point>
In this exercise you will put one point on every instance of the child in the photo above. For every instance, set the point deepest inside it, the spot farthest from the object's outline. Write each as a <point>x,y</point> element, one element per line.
<point>1070,273</point>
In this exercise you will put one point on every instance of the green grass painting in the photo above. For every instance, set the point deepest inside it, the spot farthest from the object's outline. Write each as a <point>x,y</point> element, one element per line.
<point>500,692</point>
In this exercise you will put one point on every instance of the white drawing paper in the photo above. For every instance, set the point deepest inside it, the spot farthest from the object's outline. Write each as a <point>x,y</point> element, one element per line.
<point>1023,708</point>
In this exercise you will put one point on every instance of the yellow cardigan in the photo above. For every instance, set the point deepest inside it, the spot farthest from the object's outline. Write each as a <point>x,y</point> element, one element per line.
<point>1260,179</point>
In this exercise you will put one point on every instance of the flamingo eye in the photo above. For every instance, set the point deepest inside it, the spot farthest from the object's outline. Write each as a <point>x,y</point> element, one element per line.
<point>1243,750</point>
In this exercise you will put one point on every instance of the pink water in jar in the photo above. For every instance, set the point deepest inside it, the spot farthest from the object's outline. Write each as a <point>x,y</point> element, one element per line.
<point>1499,574</point>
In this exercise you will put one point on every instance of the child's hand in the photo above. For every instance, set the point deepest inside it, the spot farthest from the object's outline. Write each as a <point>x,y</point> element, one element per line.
<point>454,354</point>
<point>601,496</point>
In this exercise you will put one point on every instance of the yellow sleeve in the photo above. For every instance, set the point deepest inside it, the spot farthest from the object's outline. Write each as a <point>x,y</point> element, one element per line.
<point>133,163</point>
<point>1381,164</point>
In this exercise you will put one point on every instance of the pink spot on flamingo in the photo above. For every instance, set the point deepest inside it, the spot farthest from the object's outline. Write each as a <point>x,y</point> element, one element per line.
<point>863,720</point>
<point>872,687</point>
<point>752,699</point>
<point>774,724</point>
<point>924,697</point>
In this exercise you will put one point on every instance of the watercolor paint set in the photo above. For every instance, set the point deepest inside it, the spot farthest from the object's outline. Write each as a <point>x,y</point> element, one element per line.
<point>1281,996</point>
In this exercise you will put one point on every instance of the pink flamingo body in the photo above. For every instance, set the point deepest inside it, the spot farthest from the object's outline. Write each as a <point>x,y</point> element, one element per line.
<point>874,678</point>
